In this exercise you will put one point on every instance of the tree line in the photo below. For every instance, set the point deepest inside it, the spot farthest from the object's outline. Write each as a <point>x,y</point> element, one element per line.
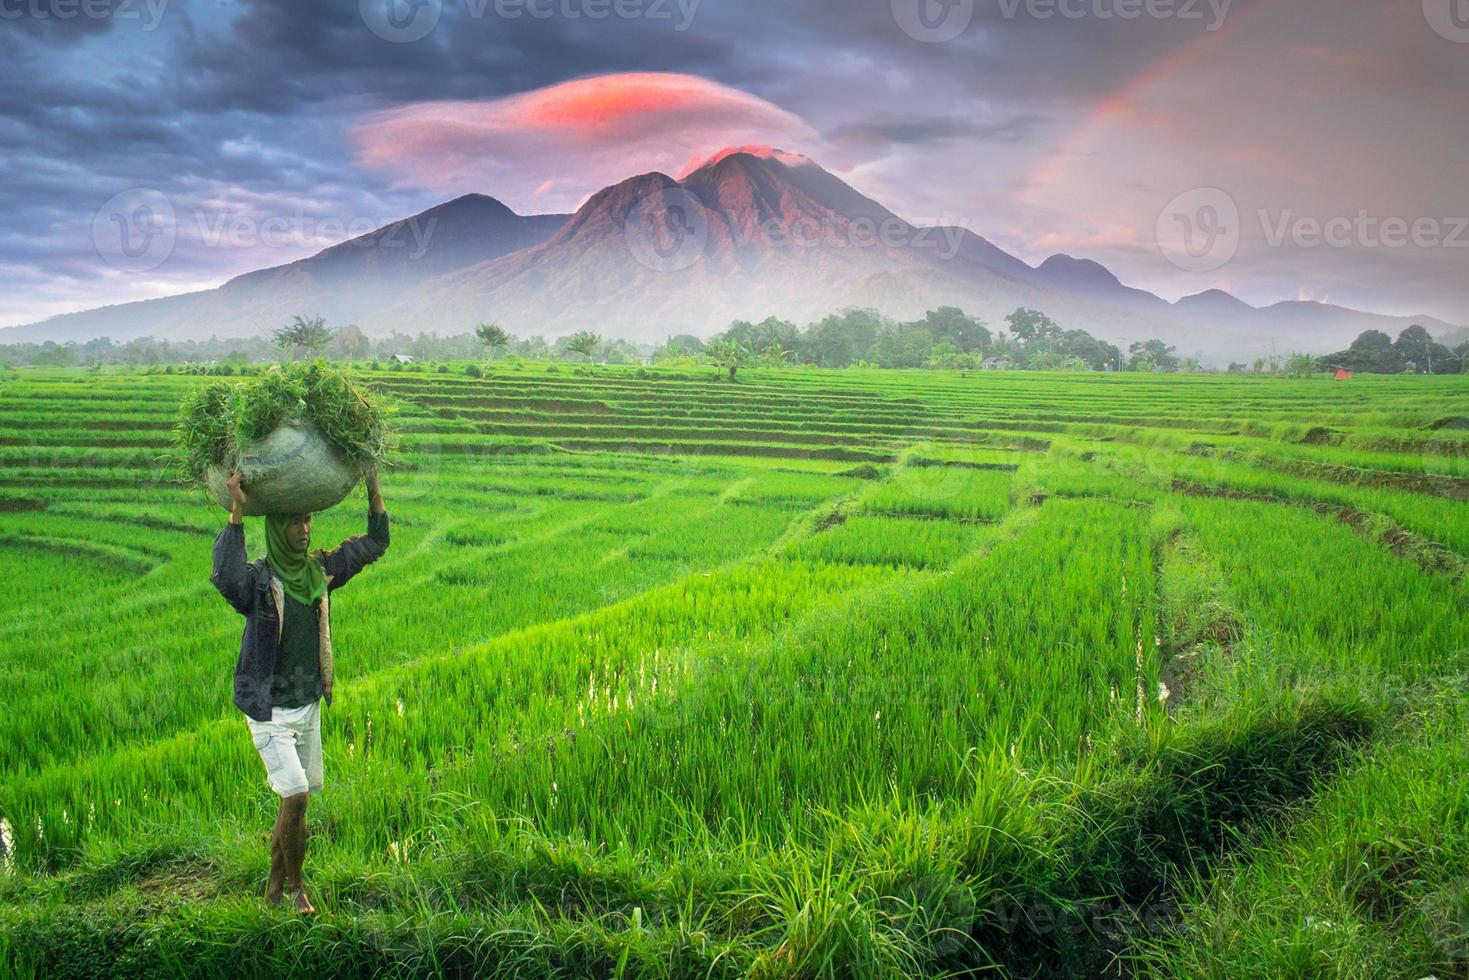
<point>1415,351</point>
<point>946,338</point>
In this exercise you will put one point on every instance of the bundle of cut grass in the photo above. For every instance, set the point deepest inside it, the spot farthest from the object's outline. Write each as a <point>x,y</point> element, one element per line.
<point>301,436</point>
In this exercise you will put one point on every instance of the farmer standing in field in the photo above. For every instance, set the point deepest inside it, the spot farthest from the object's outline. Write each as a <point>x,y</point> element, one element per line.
<point>285,664</point>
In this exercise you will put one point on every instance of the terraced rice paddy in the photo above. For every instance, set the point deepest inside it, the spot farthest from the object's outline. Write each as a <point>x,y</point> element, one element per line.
<point>820,673</point>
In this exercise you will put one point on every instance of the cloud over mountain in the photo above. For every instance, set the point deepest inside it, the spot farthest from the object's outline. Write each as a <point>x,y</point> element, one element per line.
<point>543,148</point>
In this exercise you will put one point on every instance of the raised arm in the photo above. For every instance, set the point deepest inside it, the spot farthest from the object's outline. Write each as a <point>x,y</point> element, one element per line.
<point>232,575</point>
<point>360,550</point>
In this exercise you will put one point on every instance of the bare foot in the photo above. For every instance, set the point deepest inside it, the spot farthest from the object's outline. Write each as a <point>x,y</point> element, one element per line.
<point>303,906</point>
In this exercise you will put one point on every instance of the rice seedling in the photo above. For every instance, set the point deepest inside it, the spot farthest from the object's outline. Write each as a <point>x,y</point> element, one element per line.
<point>846,673</point>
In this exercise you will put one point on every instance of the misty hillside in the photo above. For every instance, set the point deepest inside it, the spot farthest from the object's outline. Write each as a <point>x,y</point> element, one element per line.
<point>744,236</point>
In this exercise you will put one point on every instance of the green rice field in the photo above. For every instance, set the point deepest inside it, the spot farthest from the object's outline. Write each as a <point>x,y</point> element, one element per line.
<point>819,673</point>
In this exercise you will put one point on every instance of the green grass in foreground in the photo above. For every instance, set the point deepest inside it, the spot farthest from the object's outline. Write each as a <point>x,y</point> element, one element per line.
<point>823,673</point>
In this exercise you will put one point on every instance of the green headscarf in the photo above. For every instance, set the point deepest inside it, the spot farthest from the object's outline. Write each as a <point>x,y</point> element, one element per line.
<point>300,573</point>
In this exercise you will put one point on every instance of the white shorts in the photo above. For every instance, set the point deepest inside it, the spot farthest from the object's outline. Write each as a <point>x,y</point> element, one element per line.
<point>290,746</point>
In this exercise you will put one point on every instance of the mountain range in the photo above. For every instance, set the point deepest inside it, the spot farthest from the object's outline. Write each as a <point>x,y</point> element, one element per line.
<point>747,234</point>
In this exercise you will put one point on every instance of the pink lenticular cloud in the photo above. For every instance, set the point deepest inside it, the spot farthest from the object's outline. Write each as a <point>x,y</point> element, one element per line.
<point>754,149</point>
<point>550,147</point>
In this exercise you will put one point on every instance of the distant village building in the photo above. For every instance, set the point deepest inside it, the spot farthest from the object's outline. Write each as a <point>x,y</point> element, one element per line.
<point>1342,374</point>
<point>997,363</point>
<point>402,359</point>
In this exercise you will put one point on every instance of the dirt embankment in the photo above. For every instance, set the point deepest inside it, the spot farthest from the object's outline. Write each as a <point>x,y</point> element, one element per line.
<point>1429,556</point>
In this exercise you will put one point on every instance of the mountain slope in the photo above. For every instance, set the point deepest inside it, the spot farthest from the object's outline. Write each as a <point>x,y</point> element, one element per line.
<point>749,233</point>
<point>342,283</point>
<point>743,237</point>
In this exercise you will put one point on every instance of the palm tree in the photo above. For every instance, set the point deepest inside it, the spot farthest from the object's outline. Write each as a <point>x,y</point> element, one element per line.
<point>302,334</point>
<point>584,342</point>
<point>492,336</point>
<point>729,355</point>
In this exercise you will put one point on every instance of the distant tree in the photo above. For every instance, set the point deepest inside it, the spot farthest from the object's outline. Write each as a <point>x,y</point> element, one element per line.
<point>840,339</point>
<point>1373,352</point>
<point>584,342</point>
<point>350,343</point>
<point>1034,331</point>
<point>1461,355</point>
<point>908,345</point>
<point>1299,365</point>
<point>55,355</point>
<point>533,348</point>
<point>729,355</point>
<point>1235,367</point>
<point>492,336</point>
<point>144,350</point>
<point>686,344</point>
<point>965,332</point>
<point>946,356</point>
<point>1420,351</point>
<point>774,355</point>
<point>1258,365</point>
<point>1097,354</point>
<point>1147,355</point>
<point>302,335</point>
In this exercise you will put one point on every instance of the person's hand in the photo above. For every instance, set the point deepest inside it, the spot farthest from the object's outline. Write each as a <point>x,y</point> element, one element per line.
<point>237,497</point>
<point>374,492</point>
<point>237,492</point>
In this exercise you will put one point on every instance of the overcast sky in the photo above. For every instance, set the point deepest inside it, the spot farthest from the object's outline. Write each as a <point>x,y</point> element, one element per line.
<point>1279,149</point>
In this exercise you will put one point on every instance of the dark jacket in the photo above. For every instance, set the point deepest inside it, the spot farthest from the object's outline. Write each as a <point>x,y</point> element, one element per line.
<point>255,591</point>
